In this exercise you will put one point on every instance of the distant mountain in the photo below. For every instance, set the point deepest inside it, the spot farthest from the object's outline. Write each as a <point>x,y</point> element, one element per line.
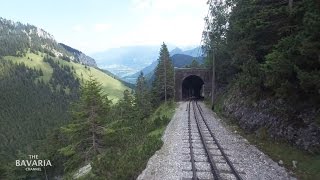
<point>149,68</point>
<point>181,60</point>
<point>178,60</point>
<point>194,52</point>
<point>80,56</point>
<point>176,51</point>
<point>16,38</point>
<point>125,61</point>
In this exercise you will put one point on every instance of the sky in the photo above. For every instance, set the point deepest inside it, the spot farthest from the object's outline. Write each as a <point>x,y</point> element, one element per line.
<point>96,25</point>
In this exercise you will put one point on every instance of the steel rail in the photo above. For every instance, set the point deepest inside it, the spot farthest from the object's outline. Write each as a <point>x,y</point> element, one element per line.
<point>234,171</point>
<point>213,166</point>
<point>193,168</point>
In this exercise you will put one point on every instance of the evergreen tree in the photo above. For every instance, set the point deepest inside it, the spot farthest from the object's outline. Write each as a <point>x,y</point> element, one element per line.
<point>163,84</point>
<point>194,64</point>
<point>216,46</point>
<point>142,96</point>
<point>86,131</point>
<point>266,47</point>
<point>126,106</point>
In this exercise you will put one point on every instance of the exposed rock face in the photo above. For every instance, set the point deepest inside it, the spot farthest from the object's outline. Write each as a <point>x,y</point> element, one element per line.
<point>277,118</point>
<point>80,56</point>
<point>82,171</point>
<point>19,37</point>
<point>84,59</point>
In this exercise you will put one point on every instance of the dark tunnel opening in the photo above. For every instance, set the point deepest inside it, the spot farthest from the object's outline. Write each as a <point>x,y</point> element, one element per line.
<point>192,87</point>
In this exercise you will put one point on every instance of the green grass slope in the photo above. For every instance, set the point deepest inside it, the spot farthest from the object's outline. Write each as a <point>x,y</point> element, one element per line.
<point>112,87</point>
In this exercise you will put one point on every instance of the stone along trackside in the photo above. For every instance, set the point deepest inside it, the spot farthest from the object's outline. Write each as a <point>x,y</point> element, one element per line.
<point>174,159</point>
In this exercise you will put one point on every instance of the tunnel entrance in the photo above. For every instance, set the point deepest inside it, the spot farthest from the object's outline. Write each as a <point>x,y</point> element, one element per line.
<point>192,86</point>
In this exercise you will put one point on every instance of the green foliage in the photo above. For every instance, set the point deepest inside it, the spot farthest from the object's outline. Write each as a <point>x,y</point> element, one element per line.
<point>28,107</point>
<point>126,106</point>
<point>272,50</point>
<point>130,148</point>
<point>112,86</point>
<point>194,64</point>
<point>217,48</point>
<point>163,84</point>
<point>143,96</point>
<point>293,65</point>
<point>267,48</point>
<point>16,38</point>
<point>36,90</point>
<point>86,131</point>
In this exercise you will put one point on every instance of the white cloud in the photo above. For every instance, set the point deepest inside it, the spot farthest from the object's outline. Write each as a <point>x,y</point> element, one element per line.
<point>178,22</point>
<point>174,21</point>
<point>166,5</point>
<point>141,4</point>
<point>78,28</point>
<point>181,30</point>
<point>101,27</point>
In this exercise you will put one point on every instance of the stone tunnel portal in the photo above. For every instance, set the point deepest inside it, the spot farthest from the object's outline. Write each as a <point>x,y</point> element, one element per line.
<point>192,86</point>
<point>190,82</point>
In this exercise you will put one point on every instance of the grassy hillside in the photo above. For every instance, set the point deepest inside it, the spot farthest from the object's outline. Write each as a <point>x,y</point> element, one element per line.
<point>113,87</point>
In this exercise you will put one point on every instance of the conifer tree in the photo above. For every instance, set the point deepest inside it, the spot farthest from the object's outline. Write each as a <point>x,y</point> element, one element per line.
<point>142,96</point>
<point>163,85</point>
<point>126,106</point>
<point>86,131</point>
<point>194,64</point>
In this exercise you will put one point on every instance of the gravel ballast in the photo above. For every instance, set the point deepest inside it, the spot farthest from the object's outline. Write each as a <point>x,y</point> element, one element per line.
<point>170,161</point>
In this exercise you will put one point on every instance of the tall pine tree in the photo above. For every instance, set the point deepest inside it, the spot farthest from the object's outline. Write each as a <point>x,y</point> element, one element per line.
<point>86,132</point>
<point>163,85</point>
<point>142,96</point>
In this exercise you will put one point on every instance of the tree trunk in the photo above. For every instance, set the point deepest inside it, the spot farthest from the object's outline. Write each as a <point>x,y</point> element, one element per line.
<point>290,3</point>
<point>213,78</point>
<point>165,80</point>
<point>93,129</point>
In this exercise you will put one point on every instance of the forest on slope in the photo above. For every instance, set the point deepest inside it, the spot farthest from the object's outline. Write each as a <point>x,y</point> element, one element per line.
<point>115,140</point>
<point>39,81</point>
<point>44,93</point>
<point>267,63</point>
<point>267,54</point>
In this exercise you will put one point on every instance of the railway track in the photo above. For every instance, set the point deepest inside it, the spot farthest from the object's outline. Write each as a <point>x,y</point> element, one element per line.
<point>206,156</point>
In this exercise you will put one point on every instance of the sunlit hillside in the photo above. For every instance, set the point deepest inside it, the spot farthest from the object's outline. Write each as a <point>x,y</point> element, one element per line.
<point>112,87</point>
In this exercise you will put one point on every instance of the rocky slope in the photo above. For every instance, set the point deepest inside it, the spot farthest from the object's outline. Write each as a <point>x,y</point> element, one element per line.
<point>80,56</point>
<point>16,39</point>
<point>274,118</point>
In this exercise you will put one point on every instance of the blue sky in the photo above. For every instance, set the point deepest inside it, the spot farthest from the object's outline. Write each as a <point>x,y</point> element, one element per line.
<point>96,25</point>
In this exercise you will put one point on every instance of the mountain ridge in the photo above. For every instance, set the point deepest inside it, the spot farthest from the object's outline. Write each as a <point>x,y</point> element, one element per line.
<point>17,38</point>
<point>128,60</point>
<point>179,58</point>
<point>28,44</point>
<point>80,56</point>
